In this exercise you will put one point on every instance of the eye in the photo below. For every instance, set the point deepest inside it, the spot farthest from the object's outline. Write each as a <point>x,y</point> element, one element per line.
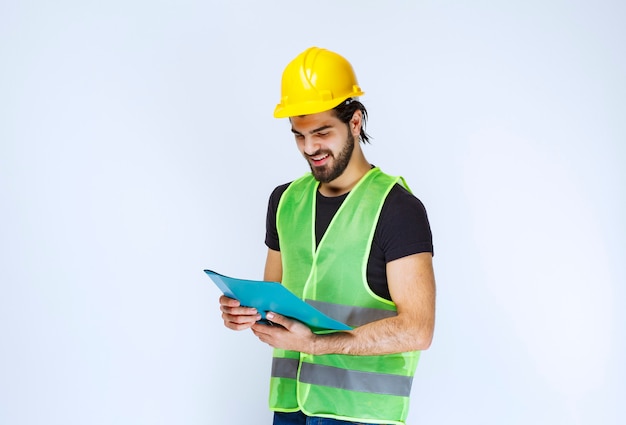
<point>322,134</point>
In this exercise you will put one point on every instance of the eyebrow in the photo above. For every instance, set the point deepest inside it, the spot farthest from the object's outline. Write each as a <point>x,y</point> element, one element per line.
<point>316,130</point>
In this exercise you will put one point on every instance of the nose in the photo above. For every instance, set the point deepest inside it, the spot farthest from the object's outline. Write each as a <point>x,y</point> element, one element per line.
<point>309,145</point>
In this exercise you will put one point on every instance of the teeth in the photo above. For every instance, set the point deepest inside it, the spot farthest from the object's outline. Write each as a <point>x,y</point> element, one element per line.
<point>320,158</point>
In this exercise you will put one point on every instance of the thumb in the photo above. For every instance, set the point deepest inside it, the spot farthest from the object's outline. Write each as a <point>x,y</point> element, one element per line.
<point>279,319</point>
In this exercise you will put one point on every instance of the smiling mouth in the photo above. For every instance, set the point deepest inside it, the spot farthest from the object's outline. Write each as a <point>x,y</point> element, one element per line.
<point>319,159</point>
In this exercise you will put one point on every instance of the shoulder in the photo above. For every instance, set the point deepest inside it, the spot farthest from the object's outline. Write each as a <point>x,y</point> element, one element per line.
<point>400,201</point>
<point>277,193</point>
<point>279,190</point>
<point>403,228</point>
<point>302,183</point>
<point>272,204</point>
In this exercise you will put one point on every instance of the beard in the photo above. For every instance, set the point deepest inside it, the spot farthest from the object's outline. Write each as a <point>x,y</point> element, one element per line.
<point>328,173</point>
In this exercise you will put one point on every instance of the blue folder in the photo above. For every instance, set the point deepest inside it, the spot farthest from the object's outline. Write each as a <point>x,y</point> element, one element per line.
<point>272,296</point>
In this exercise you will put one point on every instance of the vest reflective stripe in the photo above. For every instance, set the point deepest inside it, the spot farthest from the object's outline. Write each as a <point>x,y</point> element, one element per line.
<point>285,368</point>
<point>353,380</point>
<point>351,315</point>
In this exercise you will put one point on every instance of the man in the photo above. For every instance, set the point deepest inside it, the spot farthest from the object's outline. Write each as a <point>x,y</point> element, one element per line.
<point>356,244</point>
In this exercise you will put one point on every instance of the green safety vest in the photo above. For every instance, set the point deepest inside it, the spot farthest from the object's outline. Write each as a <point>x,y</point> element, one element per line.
<point>332,278</point>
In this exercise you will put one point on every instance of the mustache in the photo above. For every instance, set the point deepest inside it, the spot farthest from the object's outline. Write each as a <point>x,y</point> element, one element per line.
<point>318,153</point>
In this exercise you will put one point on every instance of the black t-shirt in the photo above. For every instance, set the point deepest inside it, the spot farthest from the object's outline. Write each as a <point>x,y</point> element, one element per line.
<point>402,230</point>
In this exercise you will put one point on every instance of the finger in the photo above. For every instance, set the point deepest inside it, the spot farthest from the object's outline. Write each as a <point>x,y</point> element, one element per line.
<point>279,319</point>
<point>241,318</point>
<point>262,337</point>
<point>238,323</point>
<point>237,326</point>
<point>229,302</point>
<point>261,332</point>
<point>262,328</point>
<point>239,311</point>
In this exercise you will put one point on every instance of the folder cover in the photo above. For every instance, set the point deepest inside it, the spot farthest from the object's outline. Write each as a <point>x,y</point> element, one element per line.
<point>272,296</point>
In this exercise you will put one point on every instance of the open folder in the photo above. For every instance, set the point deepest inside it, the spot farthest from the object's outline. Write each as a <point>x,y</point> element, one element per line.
<point>272,296</point>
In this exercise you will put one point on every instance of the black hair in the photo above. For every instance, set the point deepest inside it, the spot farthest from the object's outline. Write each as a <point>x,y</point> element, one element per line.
<point>345,111</point>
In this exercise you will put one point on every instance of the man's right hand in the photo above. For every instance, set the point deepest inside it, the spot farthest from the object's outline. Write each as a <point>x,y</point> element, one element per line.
<point>237,317</point>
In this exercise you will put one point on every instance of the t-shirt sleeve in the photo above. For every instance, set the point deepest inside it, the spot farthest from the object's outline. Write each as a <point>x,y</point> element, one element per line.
<point>271,232</point>
<point>403,228</point>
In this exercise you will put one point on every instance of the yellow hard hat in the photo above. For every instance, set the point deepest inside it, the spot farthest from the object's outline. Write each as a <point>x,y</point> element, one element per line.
<point>317,80</point>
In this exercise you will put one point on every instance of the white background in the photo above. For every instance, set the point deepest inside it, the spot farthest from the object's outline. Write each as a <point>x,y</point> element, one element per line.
<point>138,147</point>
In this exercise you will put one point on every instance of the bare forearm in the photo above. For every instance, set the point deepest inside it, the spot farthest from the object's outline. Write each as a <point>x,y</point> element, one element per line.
<point>392,335</point>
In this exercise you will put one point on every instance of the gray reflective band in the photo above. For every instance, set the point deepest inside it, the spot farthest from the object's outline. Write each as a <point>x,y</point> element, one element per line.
<point>284,368</point>
<point>369,382</point>
<point>351,315</point>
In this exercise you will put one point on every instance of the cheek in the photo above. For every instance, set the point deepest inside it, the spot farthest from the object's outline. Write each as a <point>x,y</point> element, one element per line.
<point>335,144</point>
<point>300,145</point>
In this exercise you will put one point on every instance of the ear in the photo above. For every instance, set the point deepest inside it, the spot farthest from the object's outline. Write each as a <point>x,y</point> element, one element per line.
<point>355,123</point>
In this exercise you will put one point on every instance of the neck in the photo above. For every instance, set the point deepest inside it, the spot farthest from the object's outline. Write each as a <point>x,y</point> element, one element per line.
<point>357,168</point>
